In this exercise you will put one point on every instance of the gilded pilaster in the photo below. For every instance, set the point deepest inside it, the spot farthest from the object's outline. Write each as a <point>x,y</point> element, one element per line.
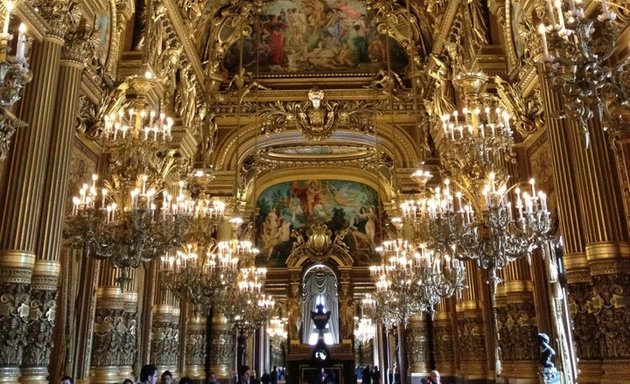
<point>195,346</point>
<point>15,277</point>
<point>417,347</point>
<point>221,351</point>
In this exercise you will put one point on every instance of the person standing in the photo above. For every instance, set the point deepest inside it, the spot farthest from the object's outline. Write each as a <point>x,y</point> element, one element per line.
<point>66,380</point>
<point>434,378</point>
<point>273,376</point>
<point>148,374</point>
<point>367,375</point>
<point>212,378</point>
<point>167,378</point>
<point>376,375</point>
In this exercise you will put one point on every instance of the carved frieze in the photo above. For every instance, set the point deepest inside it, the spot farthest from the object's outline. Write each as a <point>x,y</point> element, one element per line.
<point>221,347</point>
<point>601,317</point>
<point>39,341</point>
<point>516,325</point>
<point>14,311</point>
<point>62,16</point>
<point>79,45</point>
<point>164,342</point>
<point>470,339</point>
<point>114,340</point>
<point>443,342</point>
<point>416,343</point>
<point>195,347</point>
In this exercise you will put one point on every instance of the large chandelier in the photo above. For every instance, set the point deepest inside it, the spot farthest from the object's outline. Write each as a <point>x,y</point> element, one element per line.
<point>494,234</point>
<point>365,330</point>
<point>576,53</point>
<point>410,280</point>
<point>14,75</point>
<point>132,218</point>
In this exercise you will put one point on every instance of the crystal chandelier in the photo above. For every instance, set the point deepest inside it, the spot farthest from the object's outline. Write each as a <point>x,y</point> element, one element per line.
<point>133,218</point>
<point>479,136</point>
<point>365,330</point>
<point>412,279</point>
<point>576,53</point>
<point>14,75</point>
<point>497,232</point>
<point>277,329</point>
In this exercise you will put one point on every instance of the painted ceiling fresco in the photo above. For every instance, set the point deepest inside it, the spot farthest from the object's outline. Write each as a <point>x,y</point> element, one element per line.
<point>315,36</point>
<point>297,204</point>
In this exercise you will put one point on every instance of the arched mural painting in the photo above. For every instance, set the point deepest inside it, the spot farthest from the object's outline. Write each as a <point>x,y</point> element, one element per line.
<point>315,36</point>
<point>296,205</point>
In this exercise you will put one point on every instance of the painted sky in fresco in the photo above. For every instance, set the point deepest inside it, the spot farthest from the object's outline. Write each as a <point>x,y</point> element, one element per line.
<point>298,204</point>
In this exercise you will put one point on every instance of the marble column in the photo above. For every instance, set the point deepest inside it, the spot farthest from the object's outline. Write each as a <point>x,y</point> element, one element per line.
<point>21,203</point>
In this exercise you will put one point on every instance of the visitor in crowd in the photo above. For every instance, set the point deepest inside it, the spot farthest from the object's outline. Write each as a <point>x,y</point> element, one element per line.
<point>265,379</point>
<point>434,378</point>
<point>273,376</point>
<point>212,378</point>
<point>185,380</point>
<point>148,374</point>
<point>127,381</point>
<point>244,375</point>
<point>167,378</point>
<point>376,375</point>
<point>66,380</point>
<point>367,375</point>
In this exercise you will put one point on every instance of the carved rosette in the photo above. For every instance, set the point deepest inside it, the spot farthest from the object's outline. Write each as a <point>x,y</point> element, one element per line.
<point>164,340</point>
<point>601,317</point>
<point>471,343</point>
<point>517,331</point>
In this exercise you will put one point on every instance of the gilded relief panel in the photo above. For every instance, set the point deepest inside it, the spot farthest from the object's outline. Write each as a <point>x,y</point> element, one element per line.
<point>294,206</point>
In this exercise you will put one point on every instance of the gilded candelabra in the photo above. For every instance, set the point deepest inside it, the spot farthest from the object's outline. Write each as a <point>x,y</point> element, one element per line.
<point>411,279</point>
<point>133,218</point>
<point>14,75</point>
<point>576,53</point>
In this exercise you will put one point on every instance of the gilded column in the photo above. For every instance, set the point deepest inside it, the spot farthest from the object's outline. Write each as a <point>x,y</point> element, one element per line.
<point>417,348</point>
<point>443,341</point>
<point>114,343</point>
<point>195,346</point>
<point>15,277</point>
<point>46,272</point>
<point>165,338</point>
<point>221,351</point>
<point>516,324</point>
<point>471,342</point>
<point>22,200</point>
<point>599,308</point>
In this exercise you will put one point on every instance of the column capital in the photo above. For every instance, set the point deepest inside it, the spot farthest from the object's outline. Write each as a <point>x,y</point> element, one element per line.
<point>79,45</point>
<point>62,16</point>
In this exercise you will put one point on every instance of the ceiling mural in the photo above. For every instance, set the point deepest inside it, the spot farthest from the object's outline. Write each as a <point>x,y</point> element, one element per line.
<point>315,36</point>
<point>296,205</point>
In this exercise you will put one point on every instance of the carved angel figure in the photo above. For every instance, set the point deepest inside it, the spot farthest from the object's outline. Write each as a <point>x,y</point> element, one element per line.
<point>527,112</point>
<point>243,83</point>
<point>388,82</point>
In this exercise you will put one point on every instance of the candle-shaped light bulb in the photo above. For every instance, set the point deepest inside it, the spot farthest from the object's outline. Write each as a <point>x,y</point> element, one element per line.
<point>7,17</point>
<point>560,14</point>
<point>21,43</point>
<point>543,37</point>
<point>533,183</point>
